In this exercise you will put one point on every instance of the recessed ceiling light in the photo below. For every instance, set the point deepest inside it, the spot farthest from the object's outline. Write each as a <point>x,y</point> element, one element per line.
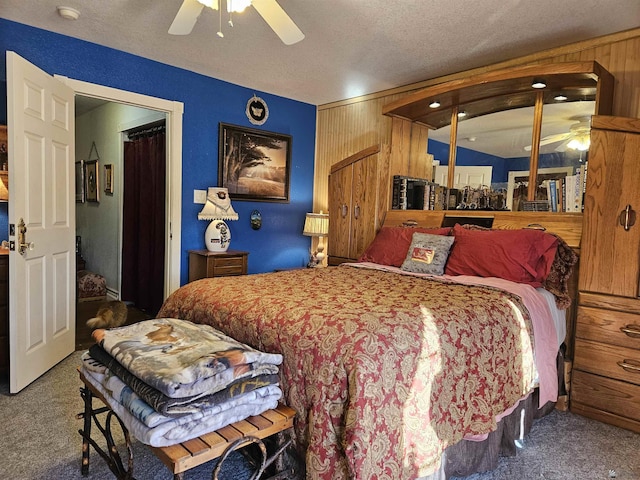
<point>538,83</point>
<point>560,98</point>
<point>434,104</point>
<point>68,13</point>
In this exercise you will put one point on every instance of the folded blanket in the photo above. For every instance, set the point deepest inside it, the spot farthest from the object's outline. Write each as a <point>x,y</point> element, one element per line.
<point>181,406</point>
<point>181,358</point>
<point>176,430</point>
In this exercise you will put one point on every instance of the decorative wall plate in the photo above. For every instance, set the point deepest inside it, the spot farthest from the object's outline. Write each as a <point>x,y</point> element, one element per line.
<point>257,110</point>
<point>256,220</point>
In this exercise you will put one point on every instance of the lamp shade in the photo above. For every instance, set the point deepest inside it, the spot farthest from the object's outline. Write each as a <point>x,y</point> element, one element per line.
<point>218,206</point>
<point>316,225</point>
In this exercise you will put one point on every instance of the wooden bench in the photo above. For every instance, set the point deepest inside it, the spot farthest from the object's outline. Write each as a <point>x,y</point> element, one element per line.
<point>184,456</point>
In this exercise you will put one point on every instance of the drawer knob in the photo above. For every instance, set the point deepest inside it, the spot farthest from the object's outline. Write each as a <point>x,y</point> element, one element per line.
<point>632,366</point>
<point>631,330</point>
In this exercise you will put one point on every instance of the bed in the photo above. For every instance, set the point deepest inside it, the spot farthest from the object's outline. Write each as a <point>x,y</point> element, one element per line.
<point>396,372</point>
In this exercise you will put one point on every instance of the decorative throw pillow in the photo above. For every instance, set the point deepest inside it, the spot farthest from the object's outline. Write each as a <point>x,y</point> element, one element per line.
<point>427,253</point>
<point>390,245</point>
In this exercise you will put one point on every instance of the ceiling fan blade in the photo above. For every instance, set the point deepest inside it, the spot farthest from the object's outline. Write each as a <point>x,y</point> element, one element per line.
<point>278,20</point>
<point>551,139</point>
<point>555,138</point>
<point>186,17</point>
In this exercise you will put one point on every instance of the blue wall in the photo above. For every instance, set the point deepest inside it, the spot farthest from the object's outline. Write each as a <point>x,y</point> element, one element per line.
<point>207,101</point>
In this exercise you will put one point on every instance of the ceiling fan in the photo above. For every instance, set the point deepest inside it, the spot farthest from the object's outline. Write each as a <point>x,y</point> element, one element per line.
<point>269,10</point>
<point>577,138</point>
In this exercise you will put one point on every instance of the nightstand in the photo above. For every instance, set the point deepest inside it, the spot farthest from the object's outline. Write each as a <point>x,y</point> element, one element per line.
<point>206,264</point>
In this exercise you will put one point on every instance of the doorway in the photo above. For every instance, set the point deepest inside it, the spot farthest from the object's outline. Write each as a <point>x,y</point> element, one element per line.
<point>172,113</point>
<point>106,249</point>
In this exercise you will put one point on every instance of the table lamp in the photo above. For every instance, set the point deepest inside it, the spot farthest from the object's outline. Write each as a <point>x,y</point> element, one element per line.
<point>316,225</point>
<point>218,208</point>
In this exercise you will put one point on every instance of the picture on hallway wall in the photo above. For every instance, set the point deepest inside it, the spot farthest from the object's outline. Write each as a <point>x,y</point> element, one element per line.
<point>108,179</point>
<point>92,185</point>
<point>80,181</point>
<point>254,164</point>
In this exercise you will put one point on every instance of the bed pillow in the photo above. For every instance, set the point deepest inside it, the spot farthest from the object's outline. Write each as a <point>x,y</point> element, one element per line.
<point>427,253</point>
<point>523,256</point>
<point>390,245</point>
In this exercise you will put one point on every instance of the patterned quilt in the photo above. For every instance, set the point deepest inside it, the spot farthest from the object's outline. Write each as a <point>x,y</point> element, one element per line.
<point>385,370</point>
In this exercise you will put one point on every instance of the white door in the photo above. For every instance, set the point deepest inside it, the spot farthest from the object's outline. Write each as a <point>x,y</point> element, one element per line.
<point>474,177</point>
<point>41,122</point>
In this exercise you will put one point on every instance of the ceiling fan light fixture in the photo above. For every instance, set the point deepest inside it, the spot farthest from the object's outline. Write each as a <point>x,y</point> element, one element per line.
<point>68,13</point>
<point>213,4</point>
<point>434,104</point>
<point>237,6</point>
<point>580,143</point>
<point>537,83</point>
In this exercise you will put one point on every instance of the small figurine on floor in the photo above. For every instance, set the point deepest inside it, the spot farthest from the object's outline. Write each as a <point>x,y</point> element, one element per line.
<point>110,315</point>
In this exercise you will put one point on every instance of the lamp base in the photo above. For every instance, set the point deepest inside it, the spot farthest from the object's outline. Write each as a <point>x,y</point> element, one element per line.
<point>217,237</point>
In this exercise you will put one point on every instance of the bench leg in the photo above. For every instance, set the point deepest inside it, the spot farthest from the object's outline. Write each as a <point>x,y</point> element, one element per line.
<point>111,456</point>
<point>86,395</point>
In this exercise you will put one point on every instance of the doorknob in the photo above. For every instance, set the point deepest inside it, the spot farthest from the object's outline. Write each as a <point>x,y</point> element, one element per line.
<point>23,246</point>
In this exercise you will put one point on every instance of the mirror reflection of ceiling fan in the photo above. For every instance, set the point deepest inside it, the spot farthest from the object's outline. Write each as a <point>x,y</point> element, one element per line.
<point>269,10</point>
<point>577,138</point>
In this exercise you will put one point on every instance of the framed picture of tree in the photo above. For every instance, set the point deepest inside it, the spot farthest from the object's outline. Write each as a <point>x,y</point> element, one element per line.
<point>254,164</point>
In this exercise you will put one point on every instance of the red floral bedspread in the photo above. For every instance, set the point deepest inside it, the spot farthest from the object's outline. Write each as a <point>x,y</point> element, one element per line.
<point>384,370</point>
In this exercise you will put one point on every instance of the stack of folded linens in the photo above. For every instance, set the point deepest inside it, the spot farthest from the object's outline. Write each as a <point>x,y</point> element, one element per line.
<point>171,380</point>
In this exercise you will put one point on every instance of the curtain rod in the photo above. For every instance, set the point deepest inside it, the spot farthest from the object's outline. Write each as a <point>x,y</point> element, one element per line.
<point>146,129</point>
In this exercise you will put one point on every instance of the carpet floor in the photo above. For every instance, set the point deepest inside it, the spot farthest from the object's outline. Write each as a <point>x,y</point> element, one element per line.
<point>39,439</point>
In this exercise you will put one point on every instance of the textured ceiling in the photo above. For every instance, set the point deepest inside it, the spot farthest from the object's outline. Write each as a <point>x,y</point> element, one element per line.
<point>352,47</point>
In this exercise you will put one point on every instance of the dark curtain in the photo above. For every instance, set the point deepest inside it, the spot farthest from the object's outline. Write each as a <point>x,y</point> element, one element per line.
<point>144,220</point>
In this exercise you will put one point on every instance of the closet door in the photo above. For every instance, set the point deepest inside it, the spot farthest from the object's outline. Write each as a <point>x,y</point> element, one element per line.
<point>340,212</point>
<point>610,252</point>
<point>364,209</point>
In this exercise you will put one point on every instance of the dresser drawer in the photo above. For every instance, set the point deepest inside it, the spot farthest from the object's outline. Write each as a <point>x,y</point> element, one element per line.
<point>616,362</point>
<point>615,328</point>
<point>605,394</point>
<point>226,266</point>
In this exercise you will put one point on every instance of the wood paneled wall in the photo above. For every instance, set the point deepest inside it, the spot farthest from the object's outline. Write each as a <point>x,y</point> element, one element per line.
<point>346,127</point>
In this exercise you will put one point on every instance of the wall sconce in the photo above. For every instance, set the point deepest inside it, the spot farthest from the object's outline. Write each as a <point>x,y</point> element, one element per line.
<point>217,237</point>
<point>316,225</point>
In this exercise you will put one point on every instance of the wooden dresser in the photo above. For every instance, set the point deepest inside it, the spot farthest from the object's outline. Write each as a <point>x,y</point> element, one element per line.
<point>605,383</point>
<point>206,264</point>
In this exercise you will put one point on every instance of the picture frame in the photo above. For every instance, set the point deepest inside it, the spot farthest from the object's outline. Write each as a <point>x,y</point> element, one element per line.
<point>92,184</point>
<point>108,179</point>
<point>80,192</point>
<point>254,164</point>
